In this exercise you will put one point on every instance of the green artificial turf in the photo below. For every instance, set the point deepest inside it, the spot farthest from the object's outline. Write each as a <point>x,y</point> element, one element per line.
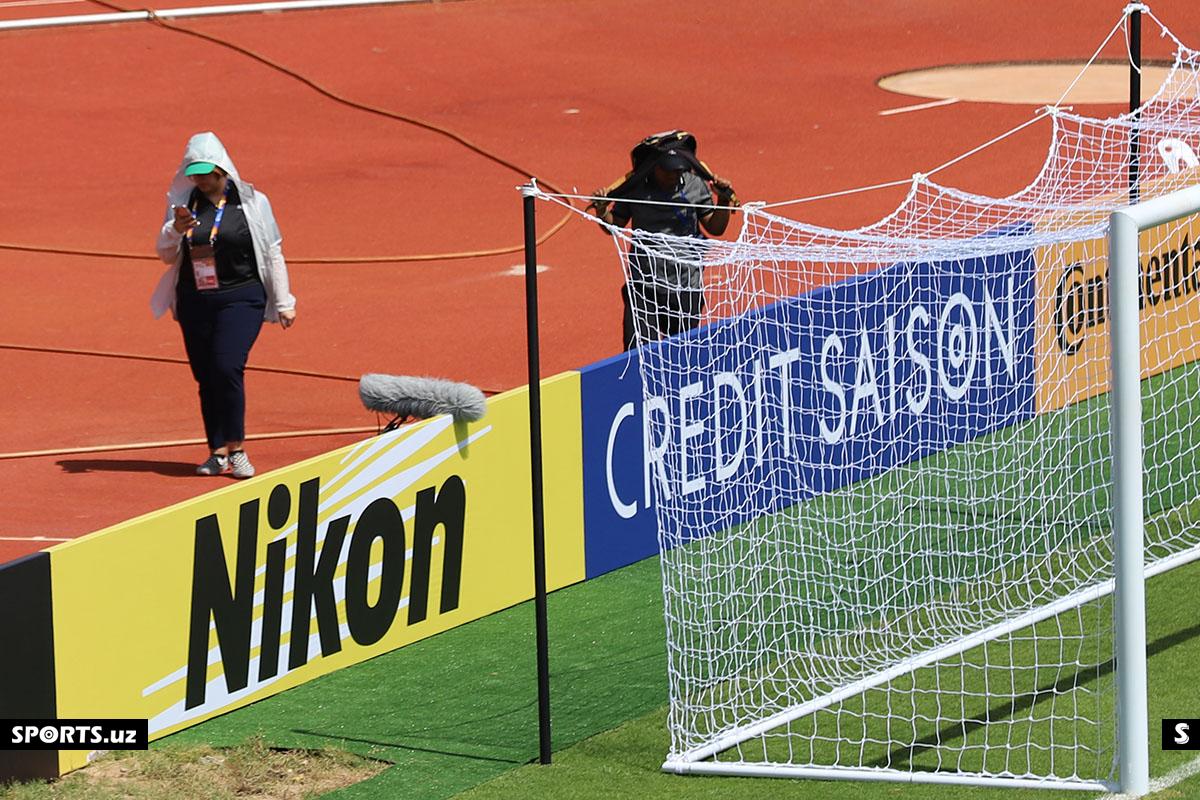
<point>459,710</point>
<point>625,762</point>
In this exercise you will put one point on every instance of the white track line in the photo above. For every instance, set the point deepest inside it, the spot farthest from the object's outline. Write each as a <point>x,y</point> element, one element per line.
<point>1173,777</point>
<point>195,11</point>
<point>918,107</point>
<point>16,3</point>
<point>33,539</point>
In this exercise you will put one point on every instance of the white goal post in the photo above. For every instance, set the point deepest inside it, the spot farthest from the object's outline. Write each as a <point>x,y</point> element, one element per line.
<point>1128,514</point>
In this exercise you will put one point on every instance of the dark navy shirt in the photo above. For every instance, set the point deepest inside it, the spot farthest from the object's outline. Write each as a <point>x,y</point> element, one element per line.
<point>649,267</point>
<point>676,220</point>
<point>233,250</point>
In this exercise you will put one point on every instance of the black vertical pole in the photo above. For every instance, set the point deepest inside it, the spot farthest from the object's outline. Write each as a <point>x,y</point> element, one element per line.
<point>1135,100</point>
<point>535,470</point>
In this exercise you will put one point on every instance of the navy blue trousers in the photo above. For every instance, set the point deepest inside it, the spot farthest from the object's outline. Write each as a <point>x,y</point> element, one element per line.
<point>219,328</point>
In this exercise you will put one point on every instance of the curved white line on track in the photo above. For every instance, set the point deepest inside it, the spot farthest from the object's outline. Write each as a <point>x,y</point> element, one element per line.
<point>918,107</point>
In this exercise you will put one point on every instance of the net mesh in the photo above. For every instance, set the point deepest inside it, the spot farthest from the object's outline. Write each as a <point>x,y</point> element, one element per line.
<point>881,465</point>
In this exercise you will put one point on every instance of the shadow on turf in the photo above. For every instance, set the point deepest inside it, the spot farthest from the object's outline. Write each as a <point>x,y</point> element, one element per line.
<point>471,724</point>
<point>411,748</point>
<point>958,730</point>
<point>172,469</point>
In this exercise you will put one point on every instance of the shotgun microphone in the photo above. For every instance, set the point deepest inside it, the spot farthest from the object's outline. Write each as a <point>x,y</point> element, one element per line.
<point>407,396</point>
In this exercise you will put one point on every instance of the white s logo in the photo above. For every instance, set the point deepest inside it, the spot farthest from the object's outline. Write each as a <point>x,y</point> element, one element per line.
<point>1181,733</point>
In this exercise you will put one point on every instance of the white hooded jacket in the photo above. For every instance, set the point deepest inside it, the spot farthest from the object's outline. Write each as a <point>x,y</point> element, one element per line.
<point>264,232</point>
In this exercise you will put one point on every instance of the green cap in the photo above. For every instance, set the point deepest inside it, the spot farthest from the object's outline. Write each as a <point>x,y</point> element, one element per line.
<point>199,168</point>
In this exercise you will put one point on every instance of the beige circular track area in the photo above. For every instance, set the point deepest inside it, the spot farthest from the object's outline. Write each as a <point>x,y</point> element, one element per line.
<point>1026,83</point>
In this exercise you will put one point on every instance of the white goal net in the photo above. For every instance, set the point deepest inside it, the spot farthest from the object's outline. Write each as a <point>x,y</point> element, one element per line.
<point>884,496</point>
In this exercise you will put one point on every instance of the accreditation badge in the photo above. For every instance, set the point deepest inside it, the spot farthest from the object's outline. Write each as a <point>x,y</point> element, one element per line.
<point>204,267</point>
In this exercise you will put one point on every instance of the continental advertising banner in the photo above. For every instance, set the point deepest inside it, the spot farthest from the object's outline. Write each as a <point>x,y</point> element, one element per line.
<point>805,396</point>
<point>214,603</point>
<point>1072,342</point>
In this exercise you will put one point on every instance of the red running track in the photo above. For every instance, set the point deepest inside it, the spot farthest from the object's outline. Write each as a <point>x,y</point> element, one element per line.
<point>782,96</point>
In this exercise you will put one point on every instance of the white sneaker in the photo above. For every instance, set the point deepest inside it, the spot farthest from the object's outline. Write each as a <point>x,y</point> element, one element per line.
<point>240,462</point>
<point>216,464</point>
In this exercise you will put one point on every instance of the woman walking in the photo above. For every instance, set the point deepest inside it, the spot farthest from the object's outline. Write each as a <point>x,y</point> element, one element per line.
<point>225,275</point>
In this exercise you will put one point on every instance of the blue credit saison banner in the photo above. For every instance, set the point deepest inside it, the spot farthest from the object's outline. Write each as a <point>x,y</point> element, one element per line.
<point>619,522</point>
<point>805,396</point>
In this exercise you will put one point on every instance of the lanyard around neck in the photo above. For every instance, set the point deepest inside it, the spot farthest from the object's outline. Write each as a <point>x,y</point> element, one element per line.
<point>212,236</point>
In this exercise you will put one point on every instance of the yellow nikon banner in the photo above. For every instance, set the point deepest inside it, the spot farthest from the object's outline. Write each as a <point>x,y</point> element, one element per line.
<point>1072,304</point>
<point>212,604</point>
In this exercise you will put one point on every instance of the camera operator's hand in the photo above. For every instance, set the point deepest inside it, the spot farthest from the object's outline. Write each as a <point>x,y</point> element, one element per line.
<point>724,190</point>
<point>602,206</point>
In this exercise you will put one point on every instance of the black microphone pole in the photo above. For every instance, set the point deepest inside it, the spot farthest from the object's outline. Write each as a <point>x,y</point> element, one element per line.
<point>535,470</point>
